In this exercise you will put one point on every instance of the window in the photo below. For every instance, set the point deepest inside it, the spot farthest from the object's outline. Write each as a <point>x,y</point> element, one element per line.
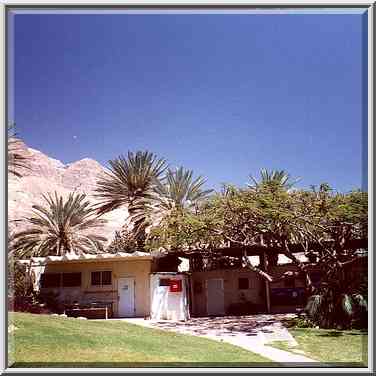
<point>71,279</point>
<point>101,278</point>
<point>50,280</point>
<point>243,284</point>
<point>164,282</point>
<point>106,278</point>
<point>96,278</point>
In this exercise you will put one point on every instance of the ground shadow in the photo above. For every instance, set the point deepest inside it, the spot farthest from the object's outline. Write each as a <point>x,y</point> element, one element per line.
<point>339,333</point>
<point>249,325</point>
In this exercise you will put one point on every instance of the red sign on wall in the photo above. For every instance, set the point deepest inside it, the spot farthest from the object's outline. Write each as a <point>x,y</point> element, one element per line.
<point>175,285</point>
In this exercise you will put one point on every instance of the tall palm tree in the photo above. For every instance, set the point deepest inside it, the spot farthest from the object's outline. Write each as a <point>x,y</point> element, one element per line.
<point>179,190</point>
<point>130,183</point>
<point>276,178</point>
<point>59,227</point>
<point>16,160</point>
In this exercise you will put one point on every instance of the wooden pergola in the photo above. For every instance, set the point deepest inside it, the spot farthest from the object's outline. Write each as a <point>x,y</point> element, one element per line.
<point>260,250</point>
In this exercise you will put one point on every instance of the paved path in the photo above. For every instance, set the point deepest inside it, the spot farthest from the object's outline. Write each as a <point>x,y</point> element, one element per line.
<point>252,333</point>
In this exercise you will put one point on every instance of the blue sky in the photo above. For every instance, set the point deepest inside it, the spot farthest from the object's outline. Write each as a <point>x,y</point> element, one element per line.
<point>224,95</point>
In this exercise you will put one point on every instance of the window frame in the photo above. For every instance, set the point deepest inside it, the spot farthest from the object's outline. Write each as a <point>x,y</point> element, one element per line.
<point>101,284</point>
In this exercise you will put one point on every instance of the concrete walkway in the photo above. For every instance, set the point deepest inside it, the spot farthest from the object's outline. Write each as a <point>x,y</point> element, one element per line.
<point>252,333</point>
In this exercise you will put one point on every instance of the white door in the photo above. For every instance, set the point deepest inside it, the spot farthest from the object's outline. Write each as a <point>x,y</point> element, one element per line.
<point>215,297</point>
<point>126,297</point>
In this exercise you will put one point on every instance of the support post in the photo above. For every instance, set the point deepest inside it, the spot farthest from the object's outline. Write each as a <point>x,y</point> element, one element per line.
<point>267,286</point>
<point>191,297</point>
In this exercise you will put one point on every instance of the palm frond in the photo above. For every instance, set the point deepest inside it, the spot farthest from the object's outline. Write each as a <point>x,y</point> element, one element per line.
<point>273,178</point>
<point>347,305</point>
<point>58,227</point>
<point>313,306</point>
<point>361,302</point>
<point>129,179</point>
<point>179,190</point>
<point>17,161</point>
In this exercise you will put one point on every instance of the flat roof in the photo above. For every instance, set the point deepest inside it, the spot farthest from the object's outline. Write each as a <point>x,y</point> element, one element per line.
<point>85,257</point>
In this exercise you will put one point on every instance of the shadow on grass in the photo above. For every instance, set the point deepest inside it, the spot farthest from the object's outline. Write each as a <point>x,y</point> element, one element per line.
<point>339,334</point>
<point>330,334</point>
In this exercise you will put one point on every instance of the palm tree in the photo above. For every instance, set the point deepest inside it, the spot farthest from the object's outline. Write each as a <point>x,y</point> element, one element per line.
<point>341,307</point>
<point>59,227</point>
<point>130,183</point>
<point>276,178</point>
<point>16,161</point>
<point>180,191</point>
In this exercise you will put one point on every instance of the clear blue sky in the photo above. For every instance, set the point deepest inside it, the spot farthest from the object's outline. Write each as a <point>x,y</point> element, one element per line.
<point>224,95</point>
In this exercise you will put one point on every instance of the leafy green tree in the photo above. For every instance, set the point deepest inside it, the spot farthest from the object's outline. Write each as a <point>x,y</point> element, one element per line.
<point>341,298</point>
<point>59,227</point>
<point>328,227</point>
<point>123,241</point>
<point>131,182</point>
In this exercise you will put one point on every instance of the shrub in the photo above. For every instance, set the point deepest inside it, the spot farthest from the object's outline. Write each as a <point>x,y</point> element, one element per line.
<point>344,311</point>
<point>50,301</point>
<point>19,282</point>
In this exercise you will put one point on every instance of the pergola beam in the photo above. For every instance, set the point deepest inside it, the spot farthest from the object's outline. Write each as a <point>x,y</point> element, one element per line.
<point>258,249</point>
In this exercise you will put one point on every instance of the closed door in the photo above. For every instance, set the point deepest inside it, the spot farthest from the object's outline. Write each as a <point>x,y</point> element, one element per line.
<point>126,297</point>
<point>215,297</point>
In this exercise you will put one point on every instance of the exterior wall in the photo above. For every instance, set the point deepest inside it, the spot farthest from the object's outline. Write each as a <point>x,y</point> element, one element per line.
<point>255,293</point>
<point>232,294</point>
<point>291,303</point>
<point>138,269</point>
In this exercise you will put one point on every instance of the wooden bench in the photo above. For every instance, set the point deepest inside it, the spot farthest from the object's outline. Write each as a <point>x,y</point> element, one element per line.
<point>94,311</point>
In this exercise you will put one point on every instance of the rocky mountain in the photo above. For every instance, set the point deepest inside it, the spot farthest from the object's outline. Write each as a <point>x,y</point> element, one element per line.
<point>49,175</point>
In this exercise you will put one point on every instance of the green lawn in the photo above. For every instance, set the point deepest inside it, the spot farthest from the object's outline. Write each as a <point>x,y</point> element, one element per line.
<point>332,346</point>
<point>43,340</point>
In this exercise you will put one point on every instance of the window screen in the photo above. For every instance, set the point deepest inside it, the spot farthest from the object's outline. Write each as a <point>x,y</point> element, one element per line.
<point>106,278</point>
<point>96,278</point>
<point>71,279</point>
<point>243,284</point>
<point>101,278</point>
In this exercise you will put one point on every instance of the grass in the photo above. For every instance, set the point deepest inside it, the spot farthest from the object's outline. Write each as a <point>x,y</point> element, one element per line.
<point>329,346</point>
<point>43,340</point>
